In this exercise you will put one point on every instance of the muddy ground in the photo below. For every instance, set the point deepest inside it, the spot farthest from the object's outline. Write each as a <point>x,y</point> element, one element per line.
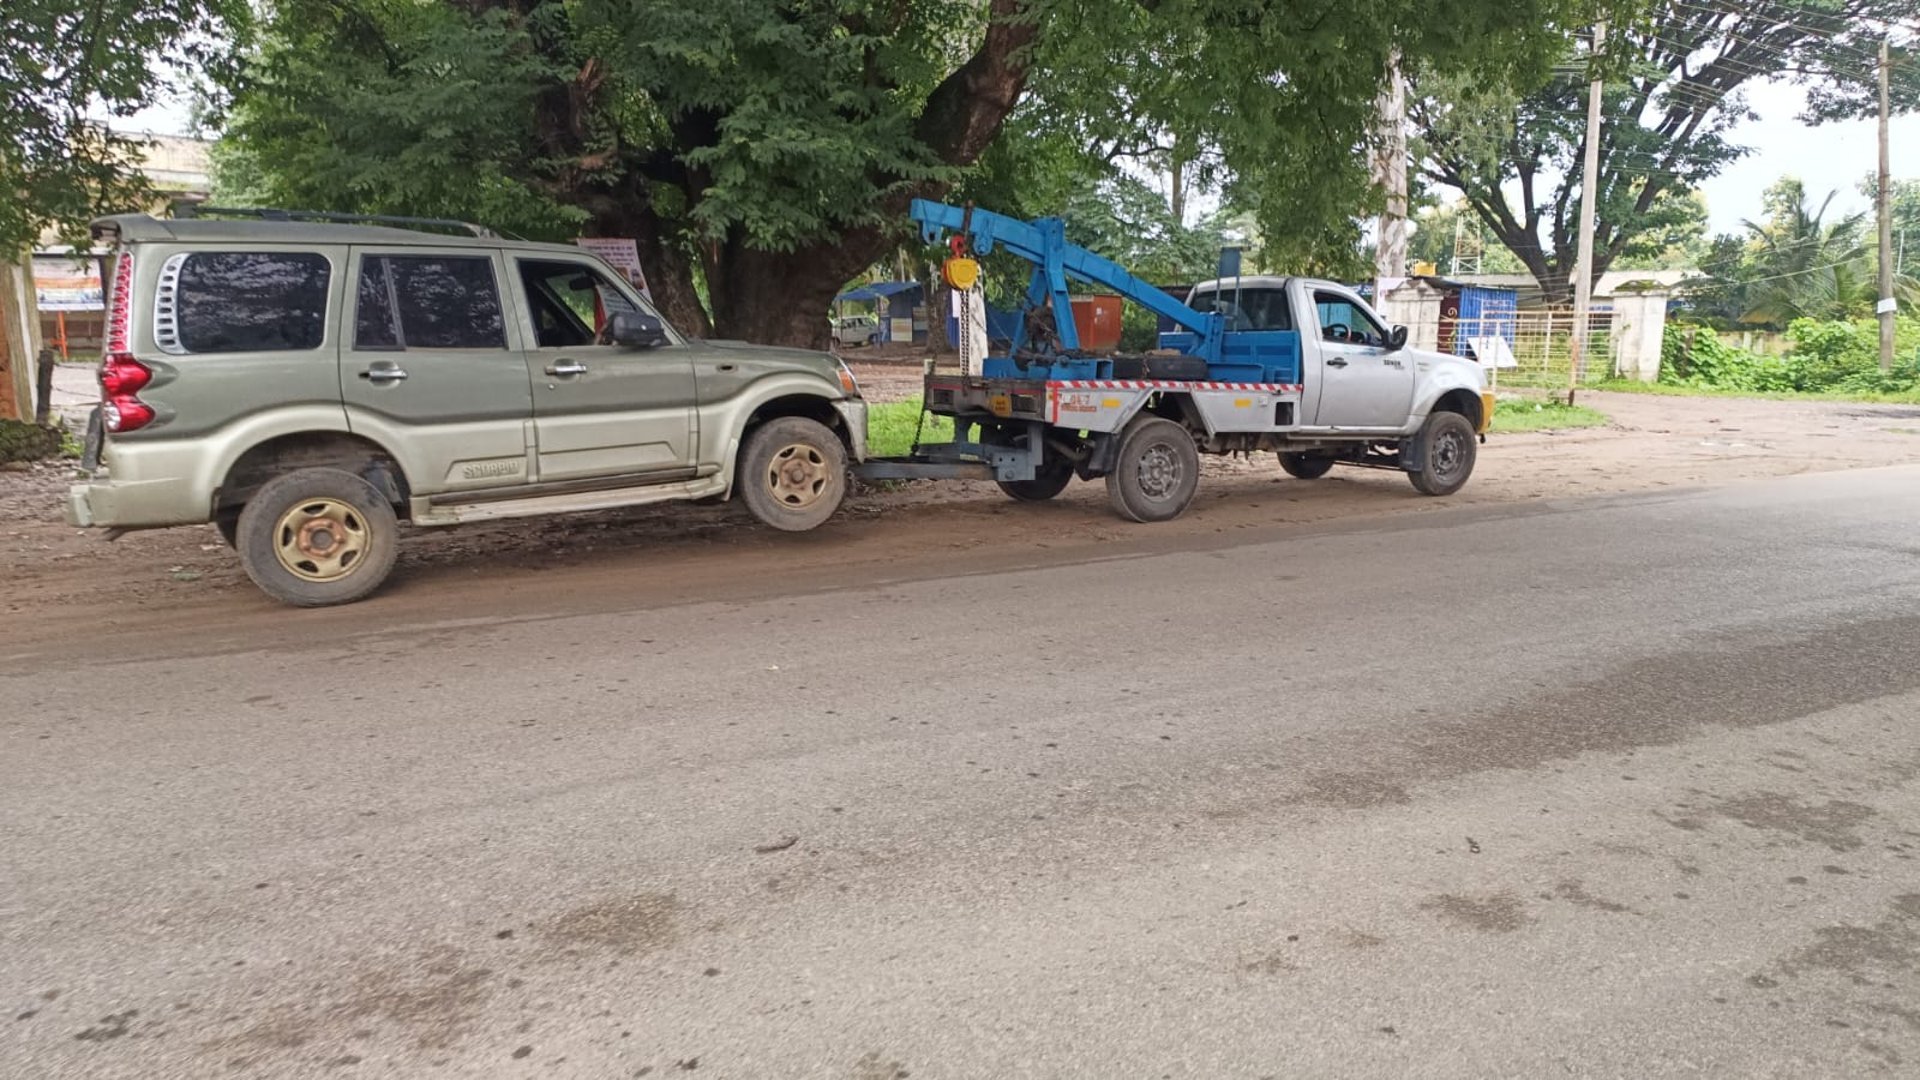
<point>68,584</point>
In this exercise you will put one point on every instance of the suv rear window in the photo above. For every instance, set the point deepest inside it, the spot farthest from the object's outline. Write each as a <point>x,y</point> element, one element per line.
<point>243,301</point>
<point>428,302</point>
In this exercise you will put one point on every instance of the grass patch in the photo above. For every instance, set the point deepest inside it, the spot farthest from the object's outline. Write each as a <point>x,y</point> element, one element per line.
<point>1549,414</point>
<point>1633,386</point>
<point>890,425</point>
<point>890,428</point>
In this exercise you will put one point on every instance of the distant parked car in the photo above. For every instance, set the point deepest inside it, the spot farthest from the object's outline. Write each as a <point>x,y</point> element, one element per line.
<point>856,330</point>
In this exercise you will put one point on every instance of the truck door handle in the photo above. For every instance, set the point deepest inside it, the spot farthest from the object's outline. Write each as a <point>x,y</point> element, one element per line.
<point>1336,362</point>
<point>568,367</point>
<point>724,367</point>
<point>386,373</point>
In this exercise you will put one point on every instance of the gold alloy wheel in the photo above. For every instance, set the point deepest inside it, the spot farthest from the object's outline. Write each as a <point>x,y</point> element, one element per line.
<point>798,475</point>
<point>320,539</point>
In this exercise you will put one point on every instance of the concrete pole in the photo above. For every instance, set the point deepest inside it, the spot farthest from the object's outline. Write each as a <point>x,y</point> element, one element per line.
<point>1390,172</point>
<point>1589,182</point>
<point>1885,206</point>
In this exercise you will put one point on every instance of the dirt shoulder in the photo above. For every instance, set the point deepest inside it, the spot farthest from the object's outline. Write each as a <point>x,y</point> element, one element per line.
<point>181,588</point>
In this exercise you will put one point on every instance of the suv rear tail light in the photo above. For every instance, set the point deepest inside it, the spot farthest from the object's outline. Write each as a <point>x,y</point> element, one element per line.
<point>121,376</point>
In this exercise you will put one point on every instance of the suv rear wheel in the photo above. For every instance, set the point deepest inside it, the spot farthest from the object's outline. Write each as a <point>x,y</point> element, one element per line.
<point>314,537</point>
<point>793,473</point>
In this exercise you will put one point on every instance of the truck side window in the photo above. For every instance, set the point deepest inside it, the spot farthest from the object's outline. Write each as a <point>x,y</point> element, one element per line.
<point>1255,309</point>
<point>1343,320</point>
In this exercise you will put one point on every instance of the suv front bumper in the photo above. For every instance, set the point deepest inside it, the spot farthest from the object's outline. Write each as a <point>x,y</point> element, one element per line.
<point>853,411</point>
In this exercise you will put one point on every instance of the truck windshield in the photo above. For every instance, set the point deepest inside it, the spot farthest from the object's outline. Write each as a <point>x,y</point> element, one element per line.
<point>1255,309</point>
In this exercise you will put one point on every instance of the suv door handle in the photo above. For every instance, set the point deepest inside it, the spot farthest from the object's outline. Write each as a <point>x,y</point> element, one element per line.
<point>384,373</point>
<point>1336,362</point>
<point>568,367</point>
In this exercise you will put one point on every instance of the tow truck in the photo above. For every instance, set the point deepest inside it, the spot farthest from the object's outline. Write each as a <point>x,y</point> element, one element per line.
<point>1294,366</point>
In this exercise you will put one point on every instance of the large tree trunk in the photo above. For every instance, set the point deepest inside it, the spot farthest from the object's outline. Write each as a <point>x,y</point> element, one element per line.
<point>782,298</point>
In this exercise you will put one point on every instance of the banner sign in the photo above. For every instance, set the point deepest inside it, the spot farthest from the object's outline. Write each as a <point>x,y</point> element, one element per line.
<point>623,254</point>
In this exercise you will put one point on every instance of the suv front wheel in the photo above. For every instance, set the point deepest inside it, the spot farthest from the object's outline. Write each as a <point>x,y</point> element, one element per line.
<point>315,537</point>
<point>793,473</point>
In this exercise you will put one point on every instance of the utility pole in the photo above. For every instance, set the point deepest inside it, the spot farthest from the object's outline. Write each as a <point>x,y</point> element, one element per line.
<point>1390,172</point>
<point>1589,183</point>
<point>1886,307</point>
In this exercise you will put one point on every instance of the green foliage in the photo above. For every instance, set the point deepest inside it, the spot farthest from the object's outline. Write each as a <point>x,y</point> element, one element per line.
<point>1827,357</point>
<point>1796,264</point>
<point>22,441</point>
<point>64,63</point>
<point>1673,78</point>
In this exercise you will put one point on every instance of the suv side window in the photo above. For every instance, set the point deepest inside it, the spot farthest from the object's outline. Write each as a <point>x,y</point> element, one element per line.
<point>428,302</point>
<point>569,303</point>
<point>242,301</point>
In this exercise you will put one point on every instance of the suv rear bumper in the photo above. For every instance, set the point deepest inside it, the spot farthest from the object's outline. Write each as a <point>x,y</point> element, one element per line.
<point>132,504</point>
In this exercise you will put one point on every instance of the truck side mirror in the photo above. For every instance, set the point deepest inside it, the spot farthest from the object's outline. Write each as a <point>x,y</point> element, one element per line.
<point>637,330</point>
<point>1397,338</point>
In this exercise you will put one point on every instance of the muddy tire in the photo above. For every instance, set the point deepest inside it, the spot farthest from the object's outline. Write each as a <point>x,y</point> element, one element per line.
<point>793,473</point>
<point>315,537</point>
<point>1157,473</point>
<point>1306,466</point>
<point>1447,449</point>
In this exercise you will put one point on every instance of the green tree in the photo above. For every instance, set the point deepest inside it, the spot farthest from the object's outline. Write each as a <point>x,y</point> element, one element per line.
<point>1673,98</point>
<point>769,147</point>
<point>65,65</point>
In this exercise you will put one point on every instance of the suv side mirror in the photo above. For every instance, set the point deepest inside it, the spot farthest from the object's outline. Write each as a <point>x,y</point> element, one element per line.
<point>1397,338</point>
<point>637,330</point>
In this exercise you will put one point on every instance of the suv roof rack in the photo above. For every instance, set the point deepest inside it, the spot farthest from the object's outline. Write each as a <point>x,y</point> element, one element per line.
<point>196,210</point>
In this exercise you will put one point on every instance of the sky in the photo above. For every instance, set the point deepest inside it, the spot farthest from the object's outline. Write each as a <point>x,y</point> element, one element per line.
<point>1826,158</point>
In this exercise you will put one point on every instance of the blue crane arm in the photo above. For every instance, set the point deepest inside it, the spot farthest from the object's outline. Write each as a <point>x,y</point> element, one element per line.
<point>1043,243</point>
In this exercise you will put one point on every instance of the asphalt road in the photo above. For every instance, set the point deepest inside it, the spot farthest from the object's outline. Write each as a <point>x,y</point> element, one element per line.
<point>1617,787</point>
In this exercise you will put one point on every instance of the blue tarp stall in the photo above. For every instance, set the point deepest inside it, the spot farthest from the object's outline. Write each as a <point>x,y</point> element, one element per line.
<point>1471,311</point>
<point>894,302</point>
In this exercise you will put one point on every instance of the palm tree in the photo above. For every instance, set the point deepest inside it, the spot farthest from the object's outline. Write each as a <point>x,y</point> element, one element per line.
<point>1803,267</point>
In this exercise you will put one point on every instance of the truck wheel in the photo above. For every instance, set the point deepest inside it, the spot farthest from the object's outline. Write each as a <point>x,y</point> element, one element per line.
<point>1447,450</point>
<point>1306,466</point>
<point>315,537</point>
<point>1157,472</point>
<point>793,473</point>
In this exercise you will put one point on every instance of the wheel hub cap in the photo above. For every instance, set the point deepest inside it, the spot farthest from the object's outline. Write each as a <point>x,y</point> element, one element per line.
<point>320,540</point>
<point>798,475</point>
<point>1159,472</point>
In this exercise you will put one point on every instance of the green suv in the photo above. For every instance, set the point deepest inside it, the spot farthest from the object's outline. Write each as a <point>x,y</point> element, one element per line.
<point>305,384</point>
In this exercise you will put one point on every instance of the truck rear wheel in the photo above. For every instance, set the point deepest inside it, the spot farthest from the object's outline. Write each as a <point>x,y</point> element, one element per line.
<point>1157,473</point>
<point>1306,466</point>
<point>1447,451</point>
<point>315,537</point>
<point>793,473</point>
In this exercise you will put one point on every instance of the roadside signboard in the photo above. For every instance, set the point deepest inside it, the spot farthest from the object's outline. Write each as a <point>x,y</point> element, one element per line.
<point>623,253</point>
<point>64,284</point>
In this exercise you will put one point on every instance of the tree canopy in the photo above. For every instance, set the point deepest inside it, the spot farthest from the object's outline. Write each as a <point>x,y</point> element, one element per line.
<point>66,67</point>
<point>768,149</point>
<point>1673,101</point>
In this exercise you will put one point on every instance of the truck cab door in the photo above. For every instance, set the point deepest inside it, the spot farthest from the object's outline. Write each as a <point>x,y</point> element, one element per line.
<point>1364,384</point>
